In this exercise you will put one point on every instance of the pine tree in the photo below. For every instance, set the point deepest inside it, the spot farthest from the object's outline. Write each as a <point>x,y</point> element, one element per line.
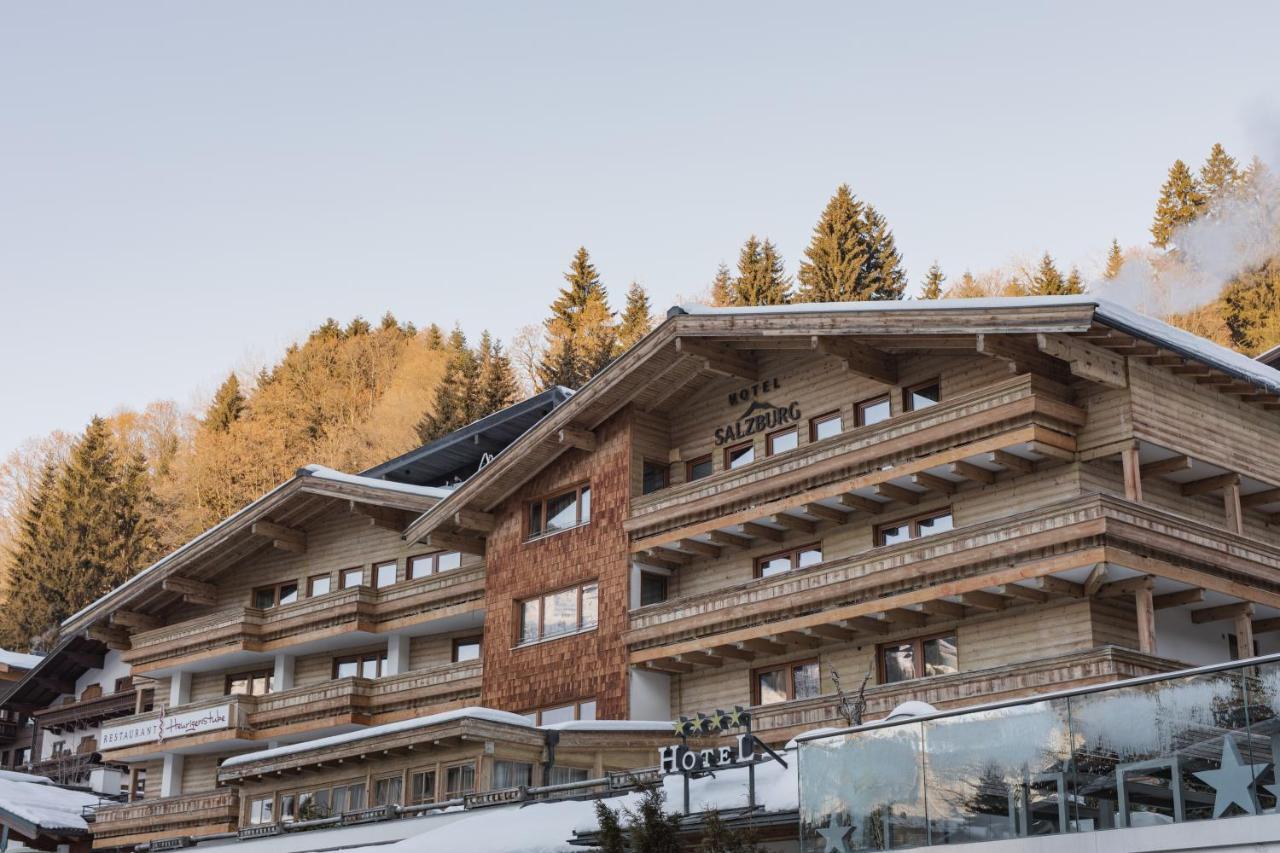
<point>1048,279</point>
<point>837,254</point>
<point>761,280</point>
<point>1181,201</point>
<point>1220,175</point>
<point>496,386</point>
<point>1115,260</point>
<point>717,837</point>
<point>612,838</point>
<point>581,338</point>
<point>652,829</point>
<point>435,338</point>
<point>227,406</point>
<point>636,320</point>
<point>1251,305</point>
<point>883,275</point>
<point>1074,284</point>
<point>722,293</point>
<point>454,399</point>
<point>933,283</point>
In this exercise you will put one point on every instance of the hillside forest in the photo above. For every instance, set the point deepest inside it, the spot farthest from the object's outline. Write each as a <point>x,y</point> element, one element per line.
<point>79,513</point>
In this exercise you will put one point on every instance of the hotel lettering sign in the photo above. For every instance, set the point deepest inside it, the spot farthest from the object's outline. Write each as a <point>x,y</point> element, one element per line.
<point>678,758</point>
<point>759,416</point>
<point>165,726</point>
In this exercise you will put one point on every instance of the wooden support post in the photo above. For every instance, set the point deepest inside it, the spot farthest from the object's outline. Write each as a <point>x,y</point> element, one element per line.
<point>1132,464</point>
<point>1231,508</point>
<point>1146,619</point>
<point>1244,632</point>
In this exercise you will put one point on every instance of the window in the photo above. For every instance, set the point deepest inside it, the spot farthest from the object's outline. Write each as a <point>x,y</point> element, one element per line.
<point>274,596</point>
<point>429,564</point>
<point>560,512</point>
<point>59,748</point>
<point>388,791</point>
<point>653,588</point>
<point>797,680</point>
<point>256,683</point>
<point>782,441</point>
<point>123,684</point>
<point>351,578</point>
<point>511,774</point>
<point>348,798</point>
<point>367,665</point>
<point>913,528</point>
<point>921,396</point>
<point>318,585</point>
<point>261,810</point>
<point>824,426</point>
<point>655,477</point>
<point>466,648</point>
<point>22,756</point>
<point>458,780</point>
<point>288,808</point>
<point>565,775</point>
<point>384,574</point>
<point>696,469</point>
<point>739,455</point>
<point>422,787</point>
<point>918,658</point>
<point>583,710</point>
<point>872,411</point>
<point>786,561</point>
<point>561,612</point>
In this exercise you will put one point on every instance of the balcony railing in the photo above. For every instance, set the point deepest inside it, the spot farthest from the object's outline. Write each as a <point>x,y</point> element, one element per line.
<point>362,608</point>
<point>1192,746</point>
<point>87,712</point>
<point>1021,401</point>
<point>340,701</point>
<point>208,811</point>
<point>68,768</point>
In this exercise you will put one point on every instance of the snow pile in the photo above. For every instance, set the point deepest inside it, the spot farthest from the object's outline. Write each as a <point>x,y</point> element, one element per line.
<point>609,726</point>
<point>324,473</point>
<point>31,799</point>
<point>17,660</point>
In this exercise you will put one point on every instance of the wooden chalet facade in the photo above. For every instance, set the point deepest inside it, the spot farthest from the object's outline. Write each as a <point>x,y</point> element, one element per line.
<point>962,501</point>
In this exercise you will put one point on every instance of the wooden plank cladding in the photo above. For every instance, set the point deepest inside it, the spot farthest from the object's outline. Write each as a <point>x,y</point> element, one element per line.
<point>202,813</point>
<point>361,608</point>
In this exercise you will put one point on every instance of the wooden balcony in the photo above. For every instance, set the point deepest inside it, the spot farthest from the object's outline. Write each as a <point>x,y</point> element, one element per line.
<point>363,609</point>
<point>68,768</point>
<point>167,817</point>
<point>779,722</point>
<point>87,713</point>
<point>340,702</point>
<point>1022,412</point>
<point>978,567</point>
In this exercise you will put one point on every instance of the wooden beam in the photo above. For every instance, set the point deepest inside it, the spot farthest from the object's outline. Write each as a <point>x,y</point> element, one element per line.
<point>1015,590</point>
<point>861,503</point>
<point>1221,612</point>
<point>1233,512</point>
<point>731,540</point>
<point>942,607</point>
<point>1145,617</point>
<point>1266,626</point>
<point>763,646</point>
<point>792,523</point>
<point>702,549</point>
<point>1195,595</point>
<point>112,638</point>
<point>1210,484</point>
<point>1215,379</point>
<point>826,513</point>
<point>456,542</point>
<point>1052,451</point>
<point>1005,459</point>
<point>1244,632</point>
<point>985,600</point>
<point>866,625</point>
<point>719,359</point>
<point>759,531</point>
<point>972,472</point>
<point>1191,370</point>
<point>1096,579</point>
<point>86,659</point>
<point>669,665</point>
<point>1166,466</point>
<point>934,484</point>
<point>901,615</point>
<point>1131,464</point>
<point>1126,587</point>
<point>667,555</point>
<point>134,619</point>
<point>796,638</point>
<point>1137,349</point>
<point>833,632</point>
<point>1023,355</point>
<point>282,538</point>
<point>649,558</point>
<point>897,493</point>
<point>734,652</point>
<point>1266,496</point>
<point>859,358</point>
<point>56,685</point>
<point>1059,586</point>
<point>583,439</point>
<point>386,517</point>
<point>192,591</point>
<point>1085,360</point>
<point>474,519</point>
<point>701,659</point>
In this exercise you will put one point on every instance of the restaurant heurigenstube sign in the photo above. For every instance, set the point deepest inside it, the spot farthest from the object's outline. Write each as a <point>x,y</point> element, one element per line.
<point>165,727</point>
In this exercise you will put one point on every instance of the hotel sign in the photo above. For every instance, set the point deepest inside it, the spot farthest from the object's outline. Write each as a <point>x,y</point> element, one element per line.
<point>166,726</point>
<point>759,416</point>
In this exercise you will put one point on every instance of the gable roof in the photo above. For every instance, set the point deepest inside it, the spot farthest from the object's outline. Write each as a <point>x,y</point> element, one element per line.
<point>646,372</point>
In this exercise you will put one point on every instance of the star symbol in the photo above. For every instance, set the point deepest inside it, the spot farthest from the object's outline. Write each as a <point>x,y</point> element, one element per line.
<point>1232,782</point>
<point>733,718</point>
<point>703,724</point>
<point>681,726</point>
<point>835,838</point>
<point>718,720</point>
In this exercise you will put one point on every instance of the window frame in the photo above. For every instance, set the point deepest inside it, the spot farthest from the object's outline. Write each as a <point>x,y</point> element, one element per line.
<point>769,438</point>
<point>477,639</point>
<point>252,675</point>
<point>359,658</point>
<point>434,771</point>
<point>793,553</point>
<point>577,704</point>
<point>860,407</point>
<point>913,524</point>
<point>789,669</point>
<point>708,459</point>
<point>371,795</point>
<point>458,765</point>
<point>275,594</point>
<point>666,587</point>
<point>917,644</point>
<point>395,568</point>
<point>664,467</point>
<point>541,502</point>
<point>909,390</point>
<point>434,557</point>
<point>311,582</point>
<point>343,575</point>
<point>742,445</point>
<point>834,414</point>
<point>542,613</point>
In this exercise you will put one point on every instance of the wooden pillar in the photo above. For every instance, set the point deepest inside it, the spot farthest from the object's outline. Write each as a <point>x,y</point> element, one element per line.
<point>1231,506</point>
<point>1146,618</point>
<point>1244,632</point>
<point>1132,464</point>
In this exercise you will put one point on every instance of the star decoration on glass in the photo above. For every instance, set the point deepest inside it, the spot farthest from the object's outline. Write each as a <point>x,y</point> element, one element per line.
<point>1232,782</point>
<point>835,838</point>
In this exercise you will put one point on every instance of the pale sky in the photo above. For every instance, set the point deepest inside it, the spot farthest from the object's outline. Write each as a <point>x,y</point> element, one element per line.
<point>184,188</point>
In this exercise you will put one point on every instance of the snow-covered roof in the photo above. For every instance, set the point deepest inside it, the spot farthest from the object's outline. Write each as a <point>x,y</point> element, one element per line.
<point>609,726</point>
<point>18,660</point>
<point>1114,315</point>
<point>323,473</point>
<point>34,807</point>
